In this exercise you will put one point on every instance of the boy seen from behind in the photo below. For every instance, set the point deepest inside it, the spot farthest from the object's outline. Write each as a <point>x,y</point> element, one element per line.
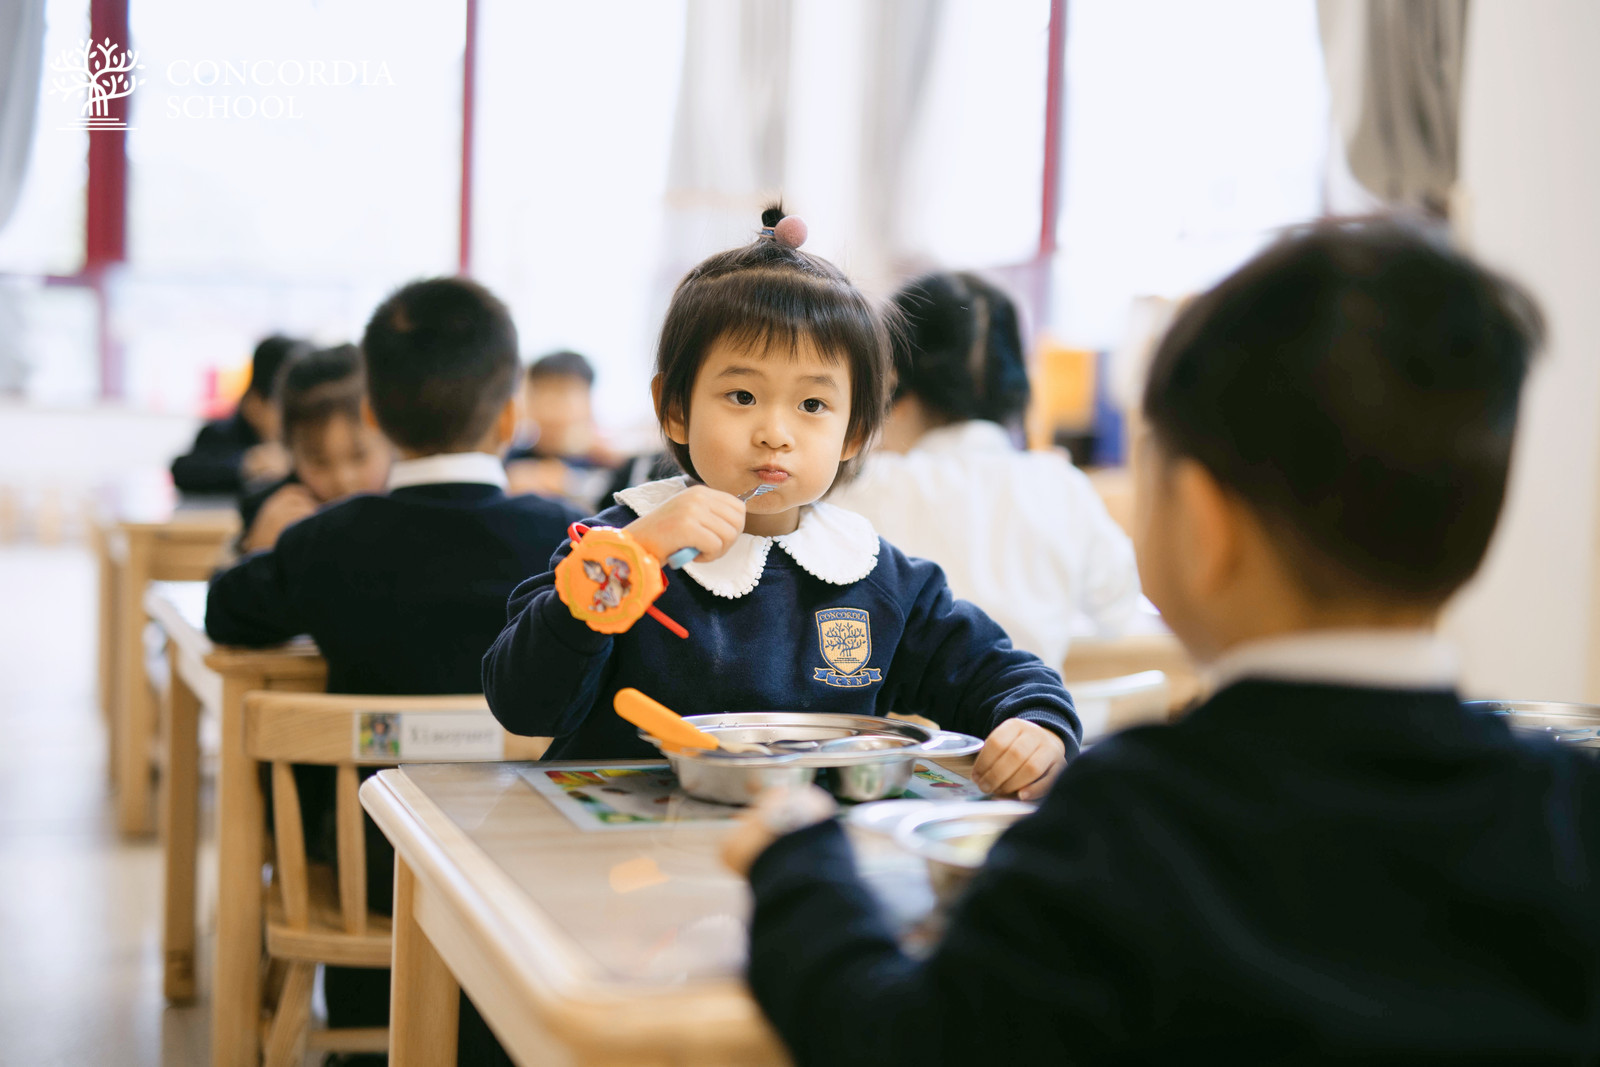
<point>405,591</point>
<point>1330,859</point>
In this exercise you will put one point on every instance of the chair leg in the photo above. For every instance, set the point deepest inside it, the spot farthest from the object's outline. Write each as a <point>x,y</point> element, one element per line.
<point>286,1041</point>
<point>277,972</point>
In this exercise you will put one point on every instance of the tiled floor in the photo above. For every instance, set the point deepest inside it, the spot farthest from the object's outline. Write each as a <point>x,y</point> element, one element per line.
<point>80,957</point>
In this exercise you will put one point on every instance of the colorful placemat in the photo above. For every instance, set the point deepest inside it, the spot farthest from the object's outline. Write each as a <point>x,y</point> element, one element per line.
<point>601,796</point>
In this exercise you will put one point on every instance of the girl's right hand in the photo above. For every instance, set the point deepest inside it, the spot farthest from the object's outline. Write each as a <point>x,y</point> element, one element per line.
<point>700,517</point>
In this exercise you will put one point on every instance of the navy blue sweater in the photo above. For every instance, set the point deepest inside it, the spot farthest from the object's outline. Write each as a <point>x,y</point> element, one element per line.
<point>1292,874</point>
<point>402,592</point>
<point>548,674</point>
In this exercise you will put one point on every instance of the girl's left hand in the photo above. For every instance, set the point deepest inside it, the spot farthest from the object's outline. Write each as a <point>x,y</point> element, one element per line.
<point>1019,757</point>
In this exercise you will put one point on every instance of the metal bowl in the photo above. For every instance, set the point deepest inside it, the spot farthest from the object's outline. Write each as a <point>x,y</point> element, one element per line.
<point>735,779</point>
<point>855,757</point>
<point>954,838</point>
<point>1567,724</point>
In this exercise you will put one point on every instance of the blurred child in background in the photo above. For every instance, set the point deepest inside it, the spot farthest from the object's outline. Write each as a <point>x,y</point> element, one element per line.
<point>334,454</point>
<point>561,454</point>
<point>1021,534</point>
<point>242,451</point>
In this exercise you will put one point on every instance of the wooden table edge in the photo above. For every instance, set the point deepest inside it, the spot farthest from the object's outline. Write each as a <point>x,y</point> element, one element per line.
<point>570,998</point>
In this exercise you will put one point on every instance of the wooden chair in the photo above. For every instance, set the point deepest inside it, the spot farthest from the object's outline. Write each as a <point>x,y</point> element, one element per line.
<point>1107,705</point>
<point>1094,660</point>
<point>315,913</point>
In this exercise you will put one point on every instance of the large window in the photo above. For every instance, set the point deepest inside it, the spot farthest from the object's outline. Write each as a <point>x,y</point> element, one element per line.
<point>1193,132</point>
<point>575,110</point>
<point>974,174</point>
<point>289,162</point>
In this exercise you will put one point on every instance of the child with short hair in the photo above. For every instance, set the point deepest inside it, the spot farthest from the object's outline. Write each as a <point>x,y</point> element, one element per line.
<point>334,453</point>
<point>562,454</point>
<point>404,591</point>
<point>1330,859</point>
<point>241,452</point>
<point>772,371</point>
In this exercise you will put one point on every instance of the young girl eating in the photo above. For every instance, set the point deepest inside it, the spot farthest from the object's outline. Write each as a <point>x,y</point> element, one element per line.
<point>333,453</point>
<point>773,371</point>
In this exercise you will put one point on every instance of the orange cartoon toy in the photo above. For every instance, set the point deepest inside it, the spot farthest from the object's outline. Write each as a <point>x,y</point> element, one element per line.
<point>609,581</point>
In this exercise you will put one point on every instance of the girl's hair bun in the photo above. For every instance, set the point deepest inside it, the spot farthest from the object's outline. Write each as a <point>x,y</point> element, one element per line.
<point>791,231</point>
<point>787,230</point>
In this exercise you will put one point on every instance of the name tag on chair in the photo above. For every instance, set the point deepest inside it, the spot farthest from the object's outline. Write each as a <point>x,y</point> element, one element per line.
<point>398,737</point>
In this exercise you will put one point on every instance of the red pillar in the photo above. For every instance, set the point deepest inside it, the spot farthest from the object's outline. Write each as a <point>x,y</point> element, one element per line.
<point>469,107</point>
<point>1050,186</point>
<point>105,228</point>
<point>1054,101</point>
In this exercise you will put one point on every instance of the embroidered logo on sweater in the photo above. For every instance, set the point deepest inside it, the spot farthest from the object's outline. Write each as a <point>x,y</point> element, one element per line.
<point>845,637</point>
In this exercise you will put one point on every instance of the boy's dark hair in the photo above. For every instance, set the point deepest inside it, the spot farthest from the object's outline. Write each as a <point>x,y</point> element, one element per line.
<point>267,362</point>
<point>1356,385</point>
<point>441,359</point>
<point>960,352</point>
<point>767,293</point>
<point>562,364</point>
<point>316,387</point>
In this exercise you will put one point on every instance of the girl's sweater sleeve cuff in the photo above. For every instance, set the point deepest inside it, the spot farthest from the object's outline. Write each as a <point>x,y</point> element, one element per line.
<point>1068,730</point>
<point>571,632</point>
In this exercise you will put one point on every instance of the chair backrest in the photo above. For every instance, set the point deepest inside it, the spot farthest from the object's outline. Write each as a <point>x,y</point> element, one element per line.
<point>348,732</point>
<point>1106,705</point>
<point>1096,660</point>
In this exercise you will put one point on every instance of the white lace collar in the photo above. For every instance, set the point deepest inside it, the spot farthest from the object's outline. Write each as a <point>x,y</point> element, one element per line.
<point>835,545</point>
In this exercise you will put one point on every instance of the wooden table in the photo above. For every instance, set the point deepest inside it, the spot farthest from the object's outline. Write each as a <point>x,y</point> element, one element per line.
<point>216,679</point>
<point>144,533</point>
<point>603,947</point>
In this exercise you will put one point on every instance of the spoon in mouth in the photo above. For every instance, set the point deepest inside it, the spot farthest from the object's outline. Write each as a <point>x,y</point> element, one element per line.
<point>687,555</point>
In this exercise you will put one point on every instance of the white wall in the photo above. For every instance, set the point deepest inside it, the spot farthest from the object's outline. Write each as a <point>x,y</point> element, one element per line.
<point>1531,182</point>
<point>54,462</point>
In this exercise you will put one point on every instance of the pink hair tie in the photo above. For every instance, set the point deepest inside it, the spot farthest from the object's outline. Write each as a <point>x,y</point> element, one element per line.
<point>790,230</point>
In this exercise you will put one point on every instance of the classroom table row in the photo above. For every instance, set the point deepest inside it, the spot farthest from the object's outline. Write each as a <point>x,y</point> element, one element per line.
<point>492,878</point>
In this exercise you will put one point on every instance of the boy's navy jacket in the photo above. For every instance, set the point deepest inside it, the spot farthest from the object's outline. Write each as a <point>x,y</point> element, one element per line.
<point>916,649</point>
<point>1293,873</point>
<point>211,466</point>
<point>403,592</point>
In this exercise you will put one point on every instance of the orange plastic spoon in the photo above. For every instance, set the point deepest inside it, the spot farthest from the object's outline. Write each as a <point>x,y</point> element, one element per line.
<point>658,720</point>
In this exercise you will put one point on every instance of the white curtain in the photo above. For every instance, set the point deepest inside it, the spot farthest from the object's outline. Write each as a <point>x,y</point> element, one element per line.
<point>816,102</point>
<point>1394,72</point>
<point>21,64</point>
<point>729,133</point>
<point>901,36</point>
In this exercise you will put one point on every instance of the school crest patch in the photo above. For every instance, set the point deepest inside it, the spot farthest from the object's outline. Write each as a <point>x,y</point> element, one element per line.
<point>845,637</point>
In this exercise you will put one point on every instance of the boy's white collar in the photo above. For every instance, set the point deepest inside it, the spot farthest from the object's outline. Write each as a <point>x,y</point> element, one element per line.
<point>1367,658</point>
<point>835,545</point>
<point>448,468</point>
